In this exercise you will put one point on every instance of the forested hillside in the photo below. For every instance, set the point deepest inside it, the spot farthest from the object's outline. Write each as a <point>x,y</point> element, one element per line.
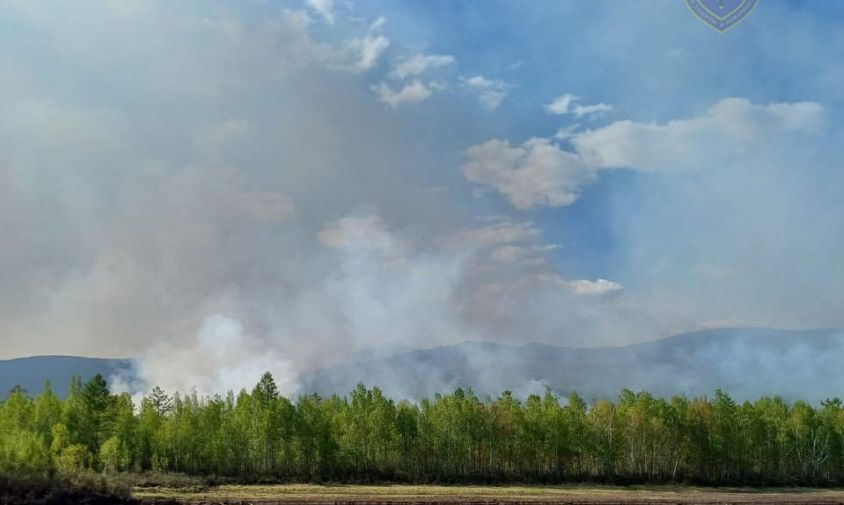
<point>456,437</point>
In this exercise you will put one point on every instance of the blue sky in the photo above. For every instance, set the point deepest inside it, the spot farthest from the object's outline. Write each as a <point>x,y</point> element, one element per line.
<point>314,177</point>
<point>650,60</point>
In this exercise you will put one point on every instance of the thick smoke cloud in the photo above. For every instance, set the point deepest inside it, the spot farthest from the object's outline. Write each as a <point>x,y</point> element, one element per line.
<point>206,182</point>
<point>221,357</point>
<point>219,188</point>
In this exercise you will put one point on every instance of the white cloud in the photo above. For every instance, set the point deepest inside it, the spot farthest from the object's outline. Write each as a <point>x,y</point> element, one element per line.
<point>414,90</point>
<point>591,110</point>
<point>535,173</point>
<point>377,24</point>
<point>324,8</point>
<point>419,64</point>
<point>561,104</point>
<point>356,54</point>
<point>539,172</point>
<point>734,125</point>
<point>566,132</point>
<point>580,287</point>
<point>411,92</point>
<point>593,288</point>
<point>565,104</point>
<point>367,50</point>
<point>490,92</point>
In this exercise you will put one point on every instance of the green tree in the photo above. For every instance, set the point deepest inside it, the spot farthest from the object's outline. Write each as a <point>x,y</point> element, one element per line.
<point>159,401</point>
<point>96,402</point>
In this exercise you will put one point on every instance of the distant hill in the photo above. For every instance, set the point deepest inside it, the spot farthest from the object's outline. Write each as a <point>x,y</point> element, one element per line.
<point>746,362</point>
<point>30,373</point>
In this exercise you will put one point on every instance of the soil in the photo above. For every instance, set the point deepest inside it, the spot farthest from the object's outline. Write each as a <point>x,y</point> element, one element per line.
<point>270,495</point>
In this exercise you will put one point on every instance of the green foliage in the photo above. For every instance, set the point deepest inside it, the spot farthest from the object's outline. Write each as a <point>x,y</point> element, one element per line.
<point>457,437</point>
<point>23,453</point>
<point>114,456</point>
<point>72,459</point>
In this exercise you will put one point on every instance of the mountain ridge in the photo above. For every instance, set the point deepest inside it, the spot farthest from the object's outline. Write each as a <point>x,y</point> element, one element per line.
<point>31,372</point>
<point>747,362</point>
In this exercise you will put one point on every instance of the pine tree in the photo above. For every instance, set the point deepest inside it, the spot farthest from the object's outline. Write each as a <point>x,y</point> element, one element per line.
<point>160,402</point>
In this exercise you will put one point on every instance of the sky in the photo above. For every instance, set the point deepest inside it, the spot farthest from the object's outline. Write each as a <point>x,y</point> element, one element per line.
<point>213,185</point>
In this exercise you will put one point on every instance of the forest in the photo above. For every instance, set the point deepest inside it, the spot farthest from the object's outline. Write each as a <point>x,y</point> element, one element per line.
<point>451,438</point>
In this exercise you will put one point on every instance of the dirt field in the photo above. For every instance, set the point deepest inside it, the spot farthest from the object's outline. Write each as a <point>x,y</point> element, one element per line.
<point>481,495</point>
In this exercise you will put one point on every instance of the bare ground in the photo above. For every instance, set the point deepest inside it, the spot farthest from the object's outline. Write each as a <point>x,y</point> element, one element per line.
<point>483,495</point>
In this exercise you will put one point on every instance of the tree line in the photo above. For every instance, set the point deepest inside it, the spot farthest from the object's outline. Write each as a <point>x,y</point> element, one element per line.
<point>455,437</point>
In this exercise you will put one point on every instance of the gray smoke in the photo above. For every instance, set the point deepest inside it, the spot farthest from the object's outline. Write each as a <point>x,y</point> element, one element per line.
<point>222,188</point>
<point>745,362</point>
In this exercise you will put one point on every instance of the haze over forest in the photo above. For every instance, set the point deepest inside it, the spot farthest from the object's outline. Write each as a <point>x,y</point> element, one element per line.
<point>746,362</point>
<point>222,188</point>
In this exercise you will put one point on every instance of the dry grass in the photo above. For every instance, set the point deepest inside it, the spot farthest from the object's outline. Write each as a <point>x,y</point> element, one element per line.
<point>474,495</point>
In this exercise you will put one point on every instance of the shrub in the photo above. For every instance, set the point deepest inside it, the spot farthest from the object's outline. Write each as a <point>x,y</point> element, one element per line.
<point>23,454</point>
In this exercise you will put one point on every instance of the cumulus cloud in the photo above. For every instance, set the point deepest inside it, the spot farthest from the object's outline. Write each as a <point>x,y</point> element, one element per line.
<point>596,287</point>
<point>566,132</point>
<point>411,92</point>
<point>360,54</point>
<point>370,48</point>
<point>579,287</point>
<point>410,88</point>
<point>561,104</point>
<point>419,64</point>
<point>732,132</point>
<point>324,8</point>
<point>729,131</point>
<point>537,172</point>
<point>379,22</point>
<point>565,104</point>
<point>490,92</point>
